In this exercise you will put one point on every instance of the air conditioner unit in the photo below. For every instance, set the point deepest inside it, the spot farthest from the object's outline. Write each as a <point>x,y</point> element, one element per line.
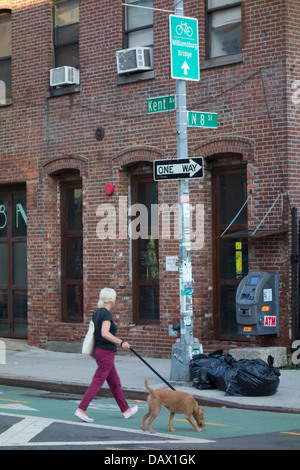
<point>64,76</point>
<point>135,59</point>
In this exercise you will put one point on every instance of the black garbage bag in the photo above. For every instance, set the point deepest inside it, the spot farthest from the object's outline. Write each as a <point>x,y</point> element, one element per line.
<point>254,378</point>
<point>199,367</point>
<point>222,373</point>
<point>246,377</point>
<point>206,370</point>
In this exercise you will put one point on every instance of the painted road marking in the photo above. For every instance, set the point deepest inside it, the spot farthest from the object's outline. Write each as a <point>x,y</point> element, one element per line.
<point>15,401</point>
<point>21,433</point>
<point>293,433</point>
<point>209,424</point>
<point>17,406</point>
<point>110,443</point>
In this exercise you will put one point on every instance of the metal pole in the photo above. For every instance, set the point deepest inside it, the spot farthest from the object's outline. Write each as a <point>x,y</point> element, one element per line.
<point>298,281</point>
<point>294,260</point>
<point>185,266</point>
<point>182,353</point>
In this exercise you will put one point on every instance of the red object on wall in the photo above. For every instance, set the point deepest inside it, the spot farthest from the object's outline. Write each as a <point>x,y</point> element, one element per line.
<point>109,189</point>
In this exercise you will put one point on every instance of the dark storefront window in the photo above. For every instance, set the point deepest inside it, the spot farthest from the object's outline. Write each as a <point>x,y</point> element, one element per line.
<point>145,267</point>
<point>13,264</point>
<point>231,253</point>
<point>72,254</point>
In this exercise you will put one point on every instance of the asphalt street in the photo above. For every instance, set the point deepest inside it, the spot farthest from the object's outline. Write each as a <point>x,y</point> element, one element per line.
<point>33,419</point>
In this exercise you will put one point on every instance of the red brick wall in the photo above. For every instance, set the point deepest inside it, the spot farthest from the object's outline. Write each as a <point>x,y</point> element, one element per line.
<point>45,139</point>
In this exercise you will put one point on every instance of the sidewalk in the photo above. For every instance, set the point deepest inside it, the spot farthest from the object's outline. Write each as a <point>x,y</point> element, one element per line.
<point>31,367</point>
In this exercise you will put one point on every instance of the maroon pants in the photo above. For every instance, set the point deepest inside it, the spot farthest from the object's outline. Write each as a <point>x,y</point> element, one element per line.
<point>106,371</point>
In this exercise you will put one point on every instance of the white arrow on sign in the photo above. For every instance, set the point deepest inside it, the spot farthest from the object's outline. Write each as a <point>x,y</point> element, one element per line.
<point>185,67</point>
<point>190,168</point>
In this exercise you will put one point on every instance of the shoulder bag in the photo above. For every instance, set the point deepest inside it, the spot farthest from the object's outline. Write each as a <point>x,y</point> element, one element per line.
<point>88,344</point>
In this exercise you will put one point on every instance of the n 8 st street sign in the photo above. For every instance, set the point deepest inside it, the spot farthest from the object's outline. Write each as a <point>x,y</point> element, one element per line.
<point>199,119</point>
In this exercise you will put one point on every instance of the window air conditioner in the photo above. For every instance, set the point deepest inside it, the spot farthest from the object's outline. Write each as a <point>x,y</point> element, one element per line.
<point>64,76</point>
<point>135,59</point>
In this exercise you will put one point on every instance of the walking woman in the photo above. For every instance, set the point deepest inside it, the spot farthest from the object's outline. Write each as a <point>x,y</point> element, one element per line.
<point>106,343</point>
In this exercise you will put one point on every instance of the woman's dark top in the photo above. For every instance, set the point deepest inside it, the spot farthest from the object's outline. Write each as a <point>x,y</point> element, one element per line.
<point>99,316</point>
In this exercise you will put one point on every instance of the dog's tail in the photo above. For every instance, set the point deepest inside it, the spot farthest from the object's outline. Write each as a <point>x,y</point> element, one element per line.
<point>147,386</point>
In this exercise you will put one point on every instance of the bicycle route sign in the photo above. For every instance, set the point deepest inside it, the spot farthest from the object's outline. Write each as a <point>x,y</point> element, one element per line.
<point>184,46</point>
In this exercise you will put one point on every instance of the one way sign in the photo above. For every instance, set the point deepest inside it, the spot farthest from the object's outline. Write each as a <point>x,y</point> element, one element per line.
<point>184,168</point>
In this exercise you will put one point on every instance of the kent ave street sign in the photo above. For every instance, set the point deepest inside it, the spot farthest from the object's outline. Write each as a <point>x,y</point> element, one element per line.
<point>160,104</point>
<point>183,168</point>
<point>184,48</point>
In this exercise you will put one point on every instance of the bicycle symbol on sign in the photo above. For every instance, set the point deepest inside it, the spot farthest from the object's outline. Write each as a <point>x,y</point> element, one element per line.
<point>184,28</point>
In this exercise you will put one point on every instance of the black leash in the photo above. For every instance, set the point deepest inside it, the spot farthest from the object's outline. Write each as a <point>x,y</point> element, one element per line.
<point>151,368</point>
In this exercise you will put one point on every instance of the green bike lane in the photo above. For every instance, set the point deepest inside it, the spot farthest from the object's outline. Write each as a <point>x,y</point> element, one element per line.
<point>220,422</point>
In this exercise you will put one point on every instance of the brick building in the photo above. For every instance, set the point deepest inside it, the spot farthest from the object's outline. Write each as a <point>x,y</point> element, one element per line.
<point>76,157</point>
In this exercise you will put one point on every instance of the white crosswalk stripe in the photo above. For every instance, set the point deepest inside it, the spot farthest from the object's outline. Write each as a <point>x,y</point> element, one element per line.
<point>21,434</point>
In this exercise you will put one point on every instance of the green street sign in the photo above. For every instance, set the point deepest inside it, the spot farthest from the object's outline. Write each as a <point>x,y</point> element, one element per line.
<point>160,104</point>
<point>184,48</point>
<point>197,119</point>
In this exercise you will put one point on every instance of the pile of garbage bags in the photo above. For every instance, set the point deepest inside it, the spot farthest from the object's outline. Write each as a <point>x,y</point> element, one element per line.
<point>245,377</point>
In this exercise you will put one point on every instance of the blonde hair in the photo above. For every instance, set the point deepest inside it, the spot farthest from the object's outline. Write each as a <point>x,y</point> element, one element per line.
<point>106,295</point>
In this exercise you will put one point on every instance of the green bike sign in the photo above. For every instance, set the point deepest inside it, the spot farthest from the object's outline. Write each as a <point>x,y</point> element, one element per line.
<point>184,48</point>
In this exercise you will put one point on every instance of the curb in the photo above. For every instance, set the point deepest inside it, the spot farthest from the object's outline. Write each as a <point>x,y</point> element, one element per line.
<point>79,389</point>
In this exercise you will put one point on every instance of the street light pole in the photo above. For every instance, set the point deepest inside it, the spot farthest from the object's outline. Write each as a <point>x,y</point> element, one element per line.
<point>183,350</point>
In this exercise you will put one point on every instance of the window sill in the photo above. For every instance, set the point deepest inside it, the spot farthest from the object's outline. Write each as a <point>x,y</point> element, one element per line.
<point>221,61</point>
<point>8,102</point>
<point>135,77</point>
<point>61,91</point>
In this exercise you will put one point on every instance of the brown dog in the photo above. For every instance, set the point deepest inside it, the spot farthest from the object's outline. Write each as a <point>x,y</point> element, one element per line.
<point>175,402</point>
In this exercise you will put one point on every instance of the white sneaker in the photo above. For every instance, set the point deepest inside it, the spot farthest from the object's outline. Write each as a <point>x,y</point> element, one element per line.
<point>83,416</point>
<point>131,412</point>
